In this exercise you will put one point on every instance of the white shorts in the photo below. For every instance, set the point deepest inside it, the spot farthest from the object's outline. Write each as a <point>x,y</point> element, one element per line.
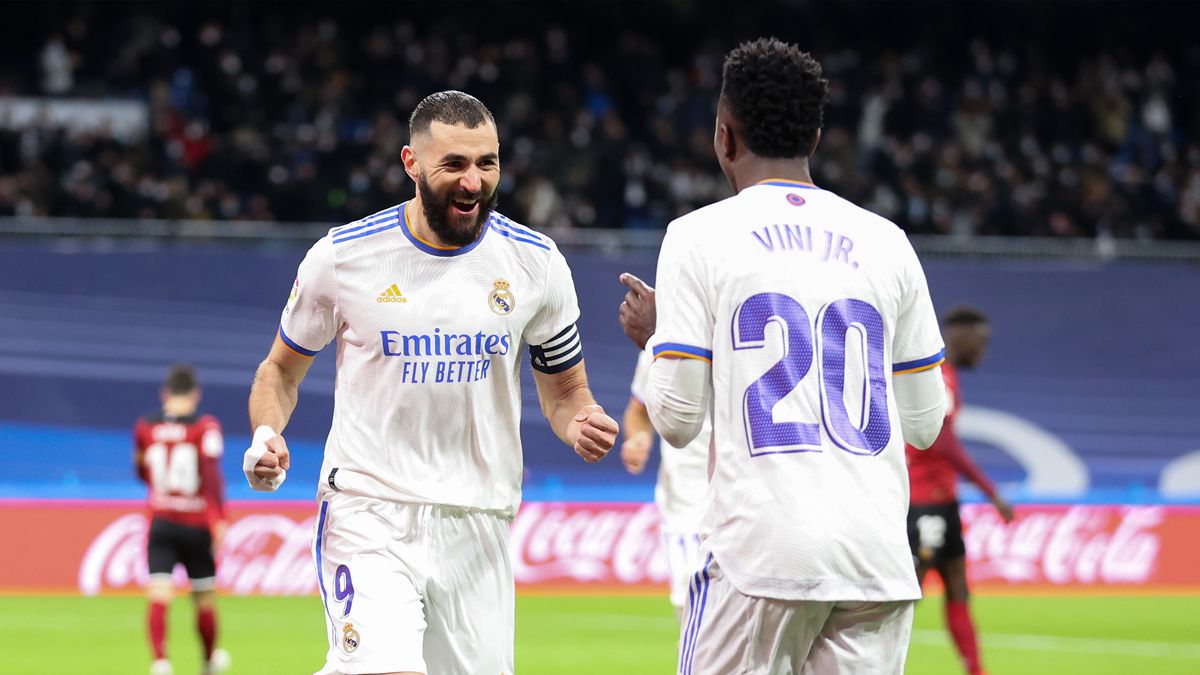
<point>683,559</point>
<point>726,633</point>
<point>414,587</point>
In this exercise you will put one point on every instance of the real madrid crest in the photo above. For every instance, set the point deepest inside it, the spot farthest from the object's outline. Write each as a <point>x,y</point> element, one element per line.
<point>501,300</point>
<point>349,638</point>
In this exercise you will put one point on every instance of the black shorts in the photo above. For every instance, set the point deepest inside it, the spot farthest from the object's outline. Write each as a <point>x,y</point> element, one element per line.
<point>935,533</point>
<point>170,543</point>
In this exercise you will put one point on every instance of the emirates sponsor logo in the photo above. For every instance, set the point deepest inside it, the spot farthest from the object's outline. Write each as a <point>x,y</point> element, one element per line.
<point>1074,545</point>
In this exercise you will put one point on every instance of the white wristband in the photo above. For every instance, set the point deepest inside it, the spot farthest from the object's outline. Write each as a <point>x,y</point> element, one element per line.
<point>258,448</point>
<point>263,434</point>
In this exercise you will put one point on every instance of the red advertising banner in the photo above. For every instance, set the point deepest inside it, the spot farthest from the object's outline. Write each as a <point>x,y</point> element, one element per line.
<point>100,546</point>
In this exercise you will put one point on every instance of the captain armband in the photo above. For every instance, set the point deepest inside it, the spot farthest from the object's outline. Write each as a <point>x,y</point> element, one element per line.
<point>558,353</point>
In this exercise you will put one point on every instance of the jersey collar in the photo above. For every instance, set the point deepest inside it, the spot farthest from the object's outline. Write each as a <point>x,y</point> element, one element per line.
<point>432,249</point>
<point>787,182</point>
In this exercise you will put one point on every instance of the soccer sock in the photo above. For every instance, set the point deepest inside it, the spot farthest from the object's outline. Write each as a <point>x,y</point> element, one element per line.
<point>157,621</point>
<point>958,620</point>
<point>206,623</point>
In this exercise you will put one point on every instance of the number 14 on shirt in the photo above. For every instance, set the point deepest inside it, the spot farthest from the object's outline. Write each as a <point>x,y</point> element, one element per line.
<point>824,341</point>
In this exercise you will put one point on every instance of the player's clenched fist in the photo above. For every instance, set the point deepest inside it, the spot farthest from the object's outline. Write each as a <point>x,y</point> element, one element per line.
<point>266,460</point>
<point>597,433</point>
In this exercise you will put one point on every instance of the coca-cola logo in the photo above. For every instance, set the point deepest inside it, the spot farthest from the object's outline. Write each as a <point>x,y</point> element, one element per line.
<point>265,554</point>
<point>1075,545</point>
<point>117,557</point>
<point>583,543</point>
<point>271,553</point>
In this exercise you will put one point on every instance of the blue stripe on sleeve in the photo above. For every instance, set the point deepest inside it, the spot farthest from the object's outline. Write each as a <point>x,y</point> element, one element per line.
<point>920,364</point>
<point>677,349</point>
<point>293,346</point>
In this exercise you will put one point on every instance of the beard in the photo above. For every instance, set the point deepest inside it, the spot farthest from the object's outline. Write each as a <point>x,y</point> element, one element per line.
<point>451,227</point>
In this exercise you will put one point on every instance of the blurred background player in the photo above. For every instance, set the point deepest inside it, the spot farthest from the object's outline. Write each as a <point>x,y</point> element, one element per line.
<point>178,455</point>
<point>808,322</point>
<point>679,489</point>
<point>430,302</point>
<point>934,526</point>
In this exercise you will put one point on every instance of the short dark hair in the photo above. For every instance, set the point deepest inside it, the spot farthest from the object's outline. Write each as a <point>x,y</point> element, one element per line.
<point>777,94</point>
<point>181,379</point>
<point>964,315</point>
<point>448,107</point>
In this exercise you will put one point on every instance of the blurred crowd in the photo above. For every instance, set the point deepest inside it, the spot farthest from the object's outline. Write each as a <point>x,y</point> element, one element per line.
<point>264,112</point>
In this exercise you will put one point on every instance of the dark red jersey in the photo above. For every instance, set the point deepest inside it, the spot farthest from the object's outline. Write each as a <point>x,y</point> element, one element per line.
<point>932,473</point>
<point>179,459</point>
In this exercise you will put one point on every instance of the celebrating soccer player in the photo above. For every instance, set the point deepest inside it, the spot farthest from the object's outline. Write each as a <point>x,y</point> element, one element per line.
<point>178,455</point>
<point>679,489</point>
<point>430,302</point>
<point>807,321</point>
<point>934,527</point>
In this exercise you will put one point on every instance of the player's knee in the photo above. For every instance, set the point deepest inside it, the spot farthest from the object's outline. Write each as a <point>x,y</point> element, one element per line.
<point>957,591</point>
<point>159,590</point>
<point>205,599</point>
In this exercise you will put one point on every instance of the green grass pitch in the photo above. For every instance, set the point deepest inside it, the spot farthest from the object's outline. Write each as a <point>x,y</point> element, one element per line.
<point>560,634</point>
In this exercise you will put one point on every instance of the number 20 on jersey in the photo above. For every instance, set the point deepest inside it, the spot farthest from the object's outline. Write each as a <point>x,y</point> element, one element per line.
<point>824,342</point>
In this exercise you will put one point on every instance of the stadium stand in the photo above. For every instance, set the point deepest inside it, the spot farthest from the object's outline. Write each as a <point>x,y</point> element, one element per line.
<point>297,113</point>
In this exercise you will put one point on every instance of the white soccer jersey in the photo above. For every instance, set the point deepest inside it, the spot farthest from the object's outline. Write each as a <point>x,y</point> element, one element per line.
<point>805,304</point>
<point>427,406</point>
<point>682,472</point>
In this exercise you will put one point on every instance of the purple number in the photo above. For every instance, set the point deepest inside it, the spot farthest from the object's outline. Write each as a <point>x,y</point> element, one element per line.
<point>758,405</point>
<point>835,322</point>
<point>343,588</point>
<point>838,321</point>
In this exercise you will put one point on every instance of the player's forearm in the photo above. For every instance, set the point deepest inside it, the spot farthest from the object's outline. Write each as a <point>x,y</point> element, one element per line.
<point>272,397</point>
<point>677,396</point>
<point>213,487</point>
<point>921,403</point>
<point>636,420</point>
<point>964,465</point>
<point>561,412</point>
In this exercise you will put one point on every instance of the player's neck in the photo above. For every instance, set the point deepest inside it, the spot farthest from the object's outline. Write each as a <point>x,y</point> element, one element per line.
<point>756,170</point>
<point>176,407</point>
<point>418,224</point>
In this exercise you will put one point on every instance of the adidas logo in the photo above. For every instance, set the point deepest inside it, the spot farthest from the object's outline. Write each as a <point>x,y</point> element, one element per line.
<point>391,294</point>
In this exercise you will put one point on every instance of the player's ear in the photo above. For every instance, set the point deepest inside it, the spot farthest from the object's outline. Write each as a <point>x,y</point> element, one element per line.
<point>727,142</point>
<point>409,157</point>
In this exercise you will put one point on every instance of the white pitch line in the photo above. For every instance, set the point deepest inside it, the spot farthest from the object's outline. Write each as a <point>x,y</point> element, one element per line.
<point>1056,643</point>
<point>924,636</point>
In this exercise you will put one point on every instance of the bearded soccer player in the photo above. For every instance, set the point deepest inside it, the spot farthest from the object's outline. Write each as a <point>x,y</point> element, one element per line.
<point>177,453</point>
<point>430,302</point>
<point>807,321</point>
<point>679,488</point>
<point>934,527</point>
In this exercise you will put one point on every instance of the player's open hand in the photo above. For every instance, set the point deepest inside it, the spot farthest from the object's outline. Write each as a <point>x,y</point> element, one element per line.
<point>266,461</point>
<point>597,433</point>
<point>638,313</point>
<point>635,451</point>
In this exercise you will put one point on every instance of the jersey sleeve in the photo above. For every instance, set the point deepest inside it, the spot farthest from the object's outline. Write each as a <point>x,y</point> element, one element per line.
<point>311,318</point>
<point>917,344</point>
<point>684,327</point>
<point>552,336</point>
